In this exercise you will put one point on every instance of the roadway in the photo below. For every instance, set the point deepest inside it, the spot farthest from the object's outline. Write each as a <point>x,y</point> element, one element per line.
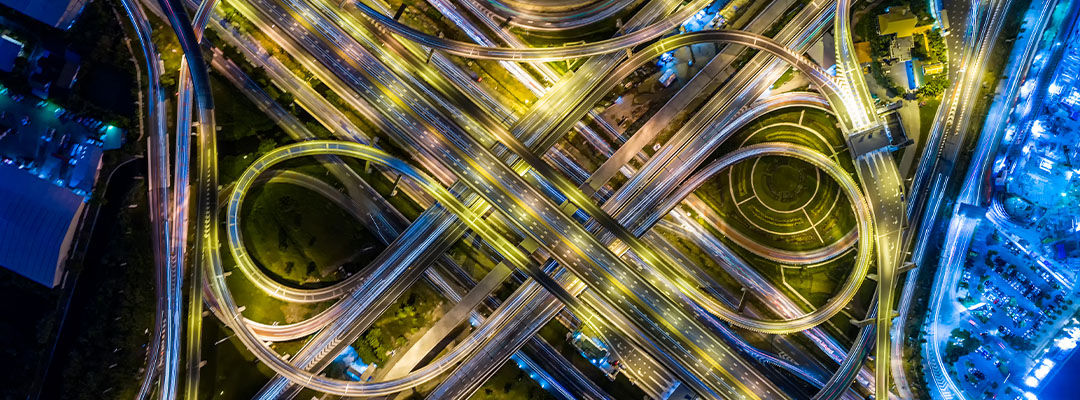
<point>535,17</point>
<point>469,50</point>
<point>961,226</point>
<point>506,209</point>
<point>158,194</point>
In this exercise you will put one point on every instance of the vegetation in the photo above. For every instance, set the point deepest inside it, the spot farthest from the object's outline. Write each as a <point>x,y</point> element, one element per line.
<point>961,343</point>
<point>106,88</point>
<point>934,87</point>
<point>789,14</point>
<point>244,132</point>
<point>554,333</point>
<point>885,81</point>
<point>780,201</point>
<point>231,372</point>
<point>300,237</point>
<point>785,78</point>
<point>102,347</point>
<point>936,51</point>
<point>510,383</point>
<point>414,310</point>
<point>472,259</point>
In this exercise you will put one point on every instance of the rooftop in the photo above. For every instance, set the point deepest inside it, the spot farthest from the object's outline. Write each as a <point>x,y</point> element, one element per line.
<point>56,13</point>
<point>37,223</point>
<point>898,21</point>
<point>9,51</point>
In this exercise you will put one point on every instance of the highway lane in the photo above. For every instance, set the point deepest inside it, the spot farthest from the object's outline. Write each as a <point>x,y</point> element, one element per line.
<point>342,127</point>
<point>444,75</point>
<point>679,225</point>
<point>752,41</point>
<point>961,227</point>
<point>655,259</point>
<point>697,139</point>
<point>972,191</point>
<point>543,69</point>
<point>364,152</point>
<point>189,43</point>
<point>363,208</point>
<point>743,346</point>
<point>442,123</point>
<point>947,136</point>
<point>469,50</point>
<point>517,70</point>
<point>355,186</point>
<point>702,84</point>
<point>210,229</point>
<point>758,109</point>
<point>158,195</point>
<point>179,210</point>
<point>544,19</point>
<point>883,185</point>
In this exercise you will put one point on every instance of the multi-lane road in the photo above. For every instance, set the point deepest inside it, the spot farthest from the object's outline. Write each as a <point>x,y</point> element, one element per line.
<point>594,261</point>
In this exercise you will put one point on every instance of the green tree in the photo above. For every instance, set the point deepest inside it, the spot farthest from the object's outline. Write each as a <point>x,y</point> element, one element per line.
<point>934,87</point>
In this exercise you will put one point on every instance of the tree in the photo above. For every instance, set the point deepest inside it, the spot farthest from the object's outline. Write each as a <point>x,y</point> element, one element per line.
<point>936,44</point>
<point>934,87</point>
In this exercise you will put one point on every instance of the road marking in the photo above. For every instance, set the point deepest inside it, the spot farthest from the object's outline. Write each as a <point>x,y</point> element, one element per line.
<point>812,225</point>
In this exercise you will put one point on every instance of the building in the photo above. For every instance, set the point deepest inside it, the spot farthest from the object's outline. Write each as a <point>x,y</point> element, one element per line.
<point>9,51</point>
<point>37,223</point>
<point>50,159</point>
<point>54,72</point>
<point>933,69</point>
<point>897,21</point>
<point>56,13</point>
<point>901,22</point>
<point>900,49</point>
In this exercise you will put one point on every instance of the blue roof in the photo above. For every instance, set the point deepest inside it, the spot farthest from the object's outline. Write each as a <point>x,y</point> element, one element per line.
<point>57,13</point>
<point>37,222</point>
<point>9,51</point>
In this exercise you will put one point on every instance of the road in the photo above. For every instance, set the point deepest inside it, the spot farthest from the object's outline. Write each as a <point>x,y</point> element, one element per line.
<point>961,226</point>
<point>157,156</point>
<point>470,50</point>
<point>449,138</point>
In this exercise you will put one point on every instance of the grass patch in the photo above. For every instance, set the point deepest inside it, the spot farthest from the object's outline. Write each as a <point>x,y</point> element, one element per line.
<point>510,383</point>
<point>302,238</point>
<point>103,344</point>
<point>413,311</point>
<point>774,199</point>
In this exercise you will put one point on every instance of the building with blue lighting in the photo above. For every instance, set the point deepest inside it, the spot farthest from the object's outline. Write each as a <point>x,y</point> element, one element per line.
<point>56,13</point>
<point>37,223</point>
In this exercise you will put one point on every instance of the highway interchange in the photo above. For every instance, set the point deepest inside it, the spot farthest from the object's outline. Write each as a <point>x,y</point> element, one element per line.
<point>598,257</point>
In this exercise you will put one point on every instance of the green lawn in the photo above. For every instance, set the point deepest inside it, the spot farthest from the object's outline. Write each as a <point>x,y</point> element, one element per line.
<point>511,383</point>
<point>411,314</point>
<point>774,199</point>
<point>231,372</point>
<point>301,238</point>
